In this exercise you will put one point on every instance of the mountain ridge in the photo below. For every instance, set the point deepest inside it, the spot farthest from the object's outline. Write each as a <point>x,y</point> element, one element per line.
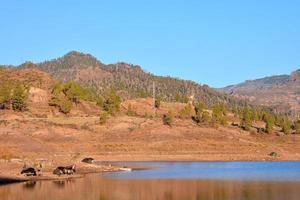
<point>130,80</point>
<point>281,92</point>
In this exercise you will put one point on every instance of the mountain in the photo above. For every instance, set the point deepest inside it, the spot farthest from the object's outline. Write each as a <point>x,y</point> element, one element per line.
<point>129,80</point>
<point>280,92</point>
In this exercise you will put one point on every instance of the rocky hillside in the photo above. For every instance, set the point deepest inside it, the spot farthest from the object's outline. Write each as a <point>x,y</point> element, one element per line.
<point>280,92</point>
<point>129,80</point>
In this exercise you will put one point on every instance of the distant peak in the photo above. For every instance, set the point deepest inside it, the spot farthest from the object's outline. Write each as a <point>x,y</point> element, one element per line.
<point>76,53</point>
<point>78,57</point>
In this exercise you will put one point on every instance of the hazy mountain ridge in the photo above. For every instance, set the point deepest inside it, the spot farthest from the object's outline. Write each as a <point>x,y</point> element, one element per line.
<point>282,92</point>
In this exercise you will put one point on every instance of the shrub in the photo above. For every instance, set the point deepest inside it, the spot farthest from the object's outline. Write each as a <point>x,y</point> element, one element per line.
<point>218,115</point>
<point>56,90</point>
<point>19,97</point>
<point>269,125</point>
<point>72,91</point>
<point>54,101</point>
<point>100,101</point>
<point>286,126</point>
<point>254,115</point>
<point>297,126</point>
<point>112,103</point>
<point>157,102</point>
<point>130,110</point>
<point>168,118</point>
<point>199,107</point>
<point>103,117</point>
<point>203,117</point>
<point>5,95</point>
<point>246,119</point>
<point>186,112</point>
<point>65,106</point>
<point>235,111</point>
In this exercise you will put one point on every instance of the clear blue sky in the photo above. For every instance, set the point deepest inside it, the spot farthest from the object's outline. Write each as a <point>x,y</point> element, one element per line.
<point>211,42</point>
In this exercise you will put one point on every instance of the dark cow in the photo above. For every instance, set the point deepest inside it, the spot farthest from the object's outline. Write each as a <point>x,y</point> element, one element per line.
<point>88,160</point>
<point>59,171</point>
<point>68,170</point>
<point>29,171</point>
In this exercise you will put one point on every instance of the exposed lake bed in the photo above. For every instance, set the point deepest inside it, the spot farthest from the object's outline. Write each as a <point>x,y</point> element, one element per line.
<point>172,180</point>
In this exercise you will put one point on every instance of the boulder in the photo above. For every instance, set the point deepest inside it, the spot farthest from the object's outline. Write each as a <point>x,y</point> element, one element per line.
<point>273,154</point>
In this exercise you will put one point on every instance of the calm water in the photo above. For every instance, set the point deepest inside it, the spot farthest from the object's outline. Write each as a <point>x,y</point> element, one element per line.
<point>173,180</point>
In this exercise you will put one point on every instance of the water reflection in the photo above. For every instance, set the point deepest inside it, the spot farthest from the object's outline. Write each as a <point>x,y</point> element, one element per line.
<point>95,187</point>
<point>29,184</point>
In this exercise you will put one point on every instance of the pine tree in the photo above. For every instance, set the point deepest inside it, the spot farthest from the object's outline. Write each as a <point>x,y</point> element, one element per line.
<point>56,90</point>
<point>205,117</point>
<point>186,112</point>
<point>19,98</point>
<point>168,118</point>
<point>130,110</point>
<point>235,111</point>
<point>73,92</point>
<point>199,107</point>
<point>269,120</point>
<point>157,102</point>
<point>254,115</point>
<point>103,117</point>
<point>218,115</point>
<point>112,102</point>
<point>246,119</point>
<point>100,101</point>
<point>286,126</point>
<point>5,95</point>
<point>297,126</point>
<point>65,106</point>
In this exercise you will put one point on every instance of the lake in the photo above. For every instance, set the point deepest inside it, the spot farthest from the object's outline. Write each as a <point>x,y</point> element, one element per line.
<point>172,181</point>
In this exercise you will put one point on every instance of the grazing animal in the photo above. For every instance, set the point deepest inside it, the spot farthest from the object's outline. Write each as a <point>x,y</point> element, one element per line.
<point>65,170</point>
<point>70,169</point>
<point>88,160</point>
<point>59,171</point>
<point>29,171</point>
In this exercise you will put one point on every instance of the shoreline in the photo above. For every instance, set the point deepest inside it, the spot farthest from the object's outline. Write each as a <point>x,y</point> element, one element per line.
<point>12,175</point>
<point>85,169</point>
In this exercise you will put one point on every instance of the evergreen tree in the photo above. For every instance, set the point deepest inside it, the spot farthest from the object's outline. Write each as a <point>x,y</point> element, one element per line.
<point>112,103</point>
<point>235,111</point>
<point>269,120</point>
<point>100,101</point>
<point>56,90</point>
<point>205,117</point>
<point>157,102</point>
<point>297,126</point>
<point>65,106</point>
<point>168,118</point>
<point>72,91</point>
<point>186,112</point>
<point>286,126</point>
<point>254,115</point>
<point>246,119</point>
<point>19,98</point>
<point>199,107</point>
<point>5,95</point>
<point>103,117</point>
<point>218,114</point>
<point>130,110</point>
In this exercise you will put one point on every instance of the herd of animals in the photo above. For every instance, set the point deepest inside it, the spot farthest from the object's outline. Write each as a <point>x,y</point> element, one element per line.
<point>60,170</point>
